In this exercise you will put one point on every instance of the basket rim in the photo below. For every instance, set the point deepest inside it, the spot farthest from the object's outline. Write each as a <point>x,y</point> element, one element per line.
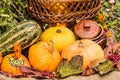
<point>68,13</point>
<point>66,0</point>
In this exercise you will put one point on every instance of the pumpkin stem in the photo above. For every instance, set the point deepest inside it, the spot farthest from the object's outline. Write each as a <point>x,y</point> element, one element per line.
<point>60,25</point>
<point>17,50</point>
<point>80,44</point>
<point>58,31</point>
<point>52,47</point>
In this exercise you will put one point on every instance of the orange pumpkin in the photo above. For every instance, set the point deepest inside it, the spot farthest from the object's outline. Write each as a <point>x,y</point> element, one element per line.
<point>11,61</point>
<point>92,53</point>
<point>60,35</point>
<point>44,56</point>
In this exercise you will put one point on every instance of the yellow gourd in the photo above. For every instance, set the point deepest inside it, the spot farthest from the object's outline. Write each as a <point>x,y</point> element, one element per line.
<point>61,36</point>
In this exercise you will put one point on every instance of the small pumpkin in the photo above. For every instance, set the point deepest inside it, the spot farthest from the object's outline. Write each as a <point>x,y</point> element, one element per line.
<point>61,36</point>
<point>44,57</point>
<point>92,53</point>
<point>11,61</point>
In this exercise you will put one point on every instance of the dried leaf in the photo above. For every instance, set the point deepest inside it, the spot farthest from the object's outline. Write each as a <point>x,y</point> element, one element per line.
<point>104,67</point>
<point>73,67</point>
<point>28,72</point>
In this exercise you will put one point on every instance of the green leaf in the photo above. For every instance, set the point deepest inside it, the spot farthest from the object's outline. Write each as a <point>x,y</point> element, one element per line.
<point>117,6</point>
<point>11,13</point>
<point>106,4</point>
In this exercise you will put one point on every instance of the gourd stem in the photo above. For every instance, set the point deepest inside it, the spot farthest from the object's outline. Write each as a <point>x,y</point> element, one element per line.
<point>17,50</point>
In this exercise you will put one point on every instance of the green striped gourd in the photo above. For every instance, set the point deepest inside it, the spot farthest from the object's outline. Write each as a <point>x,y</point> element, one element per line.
<point>26,33</point>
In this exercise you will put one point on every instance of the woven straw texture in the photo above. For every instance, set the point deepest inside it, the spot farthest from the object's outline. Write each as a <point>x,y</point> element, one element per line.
<point>53,11</point>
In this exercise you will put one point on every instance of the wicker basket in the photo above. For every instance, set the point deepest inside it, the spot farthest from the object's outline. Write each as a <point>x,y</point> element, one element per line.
<point>53,11</point>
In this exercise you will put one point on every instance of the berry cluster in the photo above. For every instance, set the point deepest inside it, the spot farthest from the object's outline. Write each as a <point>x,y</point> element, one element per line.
<point>115,58</point>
